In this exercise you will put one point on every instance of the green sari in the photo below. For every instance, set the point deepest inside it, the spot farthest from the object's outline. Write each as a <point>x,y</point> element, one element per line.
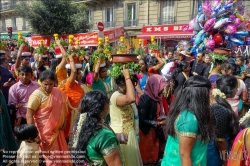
<point>103,143</point>
<point>8,144</point>
<point>185,125</point>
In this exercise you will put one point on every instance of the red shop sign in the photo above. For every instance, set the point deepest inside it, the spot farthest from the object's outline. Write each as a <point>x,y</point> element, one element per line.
<point>173,28</point>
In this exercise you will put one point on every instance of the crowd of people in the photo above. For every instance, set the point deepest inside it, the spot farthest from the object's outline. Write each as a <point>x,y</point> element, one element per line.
<point>179,109</point>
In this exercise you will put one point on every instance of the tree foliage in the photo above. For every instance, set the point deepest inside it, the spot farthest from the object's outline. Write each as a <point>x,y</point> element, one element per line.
<point>47,17</point>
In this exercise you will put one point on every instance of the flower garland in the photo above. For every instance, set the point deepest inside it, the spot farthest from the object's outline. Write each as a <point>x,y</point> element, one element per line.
<point>78,129</point>
<point>136,117</point>
<point>217,92</point>
<point>245,117</point>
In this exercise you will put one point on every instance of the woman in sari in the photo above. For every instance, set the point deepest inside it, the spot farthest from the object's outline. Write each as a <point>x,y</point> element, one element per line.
<point>92,136</point>
<point>240,152</point>
<point>188,125</point>
<point>124,118</point>
<point>47,109</point>
<point>151,117</point>
<point>143,77</point>
<point>224,120</point>
<point>101,77</point>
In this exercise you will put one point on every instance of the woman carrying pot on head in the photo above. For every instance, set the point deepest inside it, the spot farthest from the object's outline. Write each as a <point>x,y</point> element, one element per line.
<point>124,117</point>
<point>92,136</point>
<point>73,90</point>
<point>151,118</point>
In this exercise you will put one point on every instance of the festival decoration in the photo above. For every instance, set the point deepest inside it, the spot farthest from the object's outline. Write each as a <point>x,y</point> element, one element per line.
<point>121,48</point>
<point>107,48</point>
<point>53,44</point>
<point>139,51</point>
<point>153,46</point>
<point>41,49</point>
<point>133,67</point>
<point>219,25</point>
<point>2,48</point>
<point>99,54</point>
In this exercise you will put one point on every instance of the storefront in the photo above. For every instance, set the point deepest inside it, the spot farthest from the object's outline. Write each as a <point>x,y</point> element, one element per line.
<point>86,39</point>
<point>167,36</point>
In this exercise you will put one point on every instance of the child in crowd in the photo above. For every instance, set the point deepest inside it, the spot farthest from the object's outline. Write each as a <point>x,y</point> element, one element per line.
<point>28,153</point>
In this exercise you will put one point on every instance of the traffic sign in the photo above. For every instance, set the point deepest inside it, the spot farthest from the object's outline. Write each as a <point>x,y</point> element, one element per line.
<point>100,26</point>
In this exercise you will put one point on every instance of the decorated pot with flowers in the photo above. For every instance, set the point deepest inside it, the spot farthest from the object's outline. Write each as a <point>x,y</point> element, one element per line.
<point>123,58</point>
<point>99,54</point>
<point>139,51</point>
<point>107,48</point>
<point>222,51</point>
<point>117,68</point>
<point>153,47</point>
<point>41,49</point>
<point>122,49</point>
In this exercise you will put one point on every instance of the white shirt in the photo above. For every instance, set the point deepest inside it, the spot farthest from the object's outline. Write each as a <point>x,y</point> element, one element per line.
<point>28,154</point>
<point>165,72</point>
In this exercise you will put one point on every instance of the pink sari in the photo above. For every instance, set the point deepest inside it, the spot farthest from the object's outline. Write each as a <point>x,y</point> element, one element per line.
<point>49,118</point>
<point>237,157</point>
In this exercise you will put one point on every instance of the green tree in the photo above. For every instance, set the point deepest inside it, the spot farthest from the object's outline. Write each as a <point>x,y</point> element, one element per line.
<point>47,17</point>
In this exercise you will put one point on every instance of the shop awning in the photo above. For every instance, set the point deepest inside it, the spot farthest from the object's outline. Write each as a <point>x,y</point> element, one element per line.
<point>4,36</point>
<point>171,31</point>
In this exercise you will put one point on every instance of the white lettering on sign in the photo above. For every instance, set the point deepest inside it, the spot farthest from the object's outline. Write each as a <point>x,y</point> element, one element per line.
<point>176,28</point>
<point>165,29</point>
<point>149,29</point>
<point>157,29</point>
<point>37,42</point>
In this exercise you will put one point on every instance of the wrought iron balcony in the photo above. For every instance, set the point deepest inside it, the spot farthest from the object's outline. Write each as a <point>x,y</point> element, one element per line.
<point>130,23</point>
<point>166,20</point>
<point>109,24</point>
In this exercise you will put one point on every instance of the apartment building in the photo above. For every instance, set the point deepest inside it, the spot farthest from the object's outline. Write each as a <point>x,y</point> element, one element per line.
<point>133,15</point>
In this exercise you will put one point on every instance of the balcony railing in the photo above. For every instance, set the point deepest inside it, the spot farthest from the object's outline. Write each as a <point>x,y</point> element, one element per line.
<point>130,23</point>
<point>168,20</point>
<point>109,24</point>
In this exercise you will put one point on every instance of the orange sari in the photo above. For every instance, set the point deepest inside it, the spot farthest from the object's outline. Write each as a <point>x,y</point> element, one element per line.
<point>75,93</point>
<point>49,118</point>
<point>238,152</point>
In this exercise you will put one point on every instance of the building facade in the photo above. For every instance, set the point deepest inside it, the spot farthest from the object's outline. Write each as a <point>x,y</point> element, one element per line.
<point>130,14</point>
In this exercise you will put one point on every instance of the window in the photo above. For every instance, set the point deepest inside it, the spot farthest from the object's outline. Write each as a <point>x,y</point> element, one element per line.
<point>90,16</point>
<point>167,12</point>
<point>131,14</point>
<point>3,24</point>
<point>14,23</point>
<point>109,17</point>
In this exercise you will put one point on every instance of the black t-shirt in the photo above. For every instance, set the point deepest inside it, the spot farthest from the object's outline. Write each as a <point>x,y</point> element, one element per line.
<point>198,68</point>
<point>178,83</point>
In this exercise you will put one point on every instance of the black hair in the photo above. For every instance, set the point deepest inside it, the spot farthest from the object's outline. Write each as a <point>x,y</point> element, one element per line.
<point>180,68</point>
<point>24,57</point>
<point>245,123</point>
<point>152,62</point>
<point>227,84</point>
<point>54,64</point>
<point>2,60</point>
<point>25,69</point>
<point>231,66</point>
<point>145,61</point>
<point>215,63</point>
<point>93,103</point>
<point>241,58</point>
<point>194,97</point>
<point>120,81</point>
<point>25,132</point>
<point>47,75</point>
<point>87,70</point>
<point>69,71</point>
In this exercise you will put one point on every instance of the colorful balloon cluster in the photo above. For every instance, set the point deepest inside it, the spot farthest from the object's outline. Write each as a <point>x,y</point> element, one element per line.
<point>219,24</point>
